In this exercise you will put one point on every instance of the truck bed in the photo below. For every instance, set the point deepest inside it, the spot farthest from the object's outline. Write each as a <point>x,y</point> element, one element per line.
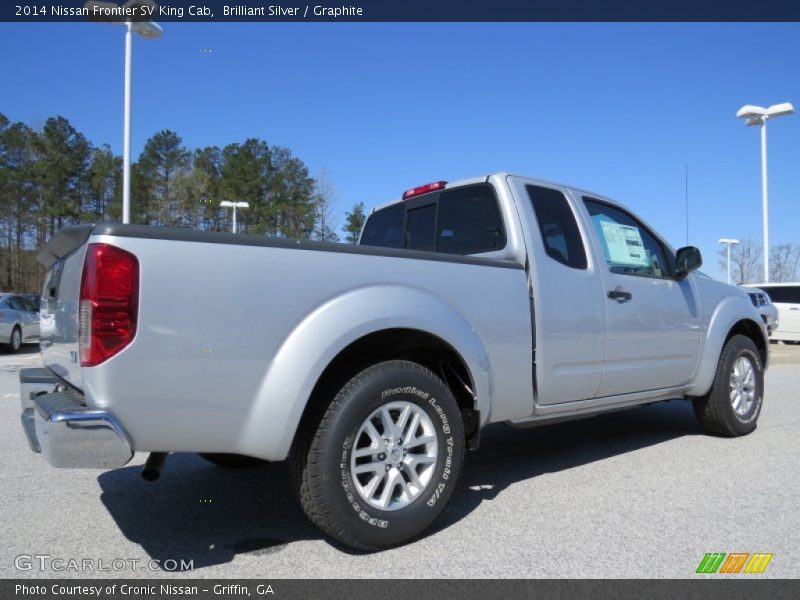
<point>217,311</point>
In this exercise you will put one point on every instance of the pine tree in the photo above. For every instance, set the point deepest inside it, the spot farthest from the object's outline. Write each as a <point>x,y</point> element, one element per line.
<point>354,223</point>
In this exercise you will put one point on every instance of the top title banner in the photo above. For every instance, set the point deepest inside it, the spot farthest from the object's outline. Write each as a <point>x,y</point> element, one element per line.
<point>400,10</point>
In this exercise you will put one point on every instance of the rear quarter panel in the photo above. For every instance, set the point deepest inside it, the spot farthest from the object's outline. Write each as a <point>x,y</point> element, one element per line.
<point>231,339</point>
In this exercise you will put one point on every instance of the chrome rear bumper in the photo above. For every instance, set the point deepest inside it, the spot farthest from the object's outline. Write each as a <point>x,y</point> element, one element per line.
<point>67,432</point>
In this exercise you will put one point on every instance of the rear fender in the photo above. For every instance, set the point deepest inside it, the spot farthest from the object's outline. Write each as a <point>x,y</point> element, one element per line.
<point>334,325</point>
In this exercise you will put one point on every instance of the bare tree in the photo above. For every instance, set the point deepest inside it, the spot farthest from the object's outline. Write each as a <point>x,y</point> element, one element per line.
<point>745,261</point>
<point>325,192</point>
<point>784,260</point>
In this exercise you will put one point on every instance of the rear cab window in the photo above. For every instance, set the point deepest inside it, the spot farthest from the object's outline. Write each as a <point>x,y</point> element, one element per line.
<point>384,227</point>
<point>462,220</point>
<point>420,226</point>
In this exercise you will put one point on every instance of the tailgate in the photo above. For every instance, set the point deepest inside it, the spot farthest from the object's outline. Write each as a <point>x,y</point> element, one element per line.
<point>63,256</point>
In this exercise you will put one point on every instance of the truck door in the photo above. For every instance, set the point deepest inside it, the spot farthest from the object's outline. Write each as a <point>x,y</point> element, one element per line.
<point>653,326</point>
<point>566,289</point>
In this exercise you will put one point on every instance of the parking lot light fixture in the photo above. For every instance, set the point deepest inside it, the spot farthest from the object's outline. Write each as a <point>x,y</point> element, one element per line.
<point>108,11</point>
<point>758,115</point>
<point>729,242</point>
<point>234,205</point>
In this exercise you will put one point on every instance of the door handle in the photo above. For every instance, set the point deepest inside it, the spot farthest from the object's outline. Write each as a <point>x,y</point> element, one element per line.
<point>620,295</point>
<point>793,308</point>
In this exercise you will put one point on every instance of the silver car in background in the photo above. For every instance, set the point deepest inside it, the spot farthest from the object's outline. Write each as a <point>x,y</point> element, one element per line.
<point>19,321</point>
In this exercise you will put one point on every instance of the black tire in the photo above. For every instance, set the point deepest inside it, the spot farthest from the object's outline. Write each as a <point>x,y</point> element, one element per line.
<point>15,341</point>
<point>322,457</point>
<point>715,410</point>
<point>233,461</point>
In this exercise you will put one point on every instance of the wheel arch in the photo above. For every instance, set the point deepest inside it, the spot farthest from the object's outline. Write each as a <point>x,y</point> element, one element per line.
<point>413,345</point>
<point>750,328</point>
<point>348,333</point>
<point>727,322</point>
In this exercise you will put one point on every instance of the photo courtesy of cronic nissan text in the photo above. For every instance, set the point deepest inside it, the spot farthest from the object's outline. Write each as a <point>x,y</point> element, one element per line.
<point>393,300</point>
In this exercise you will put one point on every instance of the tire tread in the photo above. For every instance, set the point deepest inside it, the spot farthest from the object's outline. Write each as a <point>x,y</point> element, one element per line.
<point>307,472</point>
<point>710,408</point>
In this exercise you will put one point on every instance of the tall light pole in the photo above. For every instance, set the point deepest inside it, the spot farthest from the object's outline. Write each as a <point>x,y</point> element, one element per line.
<point>105,11</point>
<point>729,242</point>
<point>234,205</point>
<point>758,115</point>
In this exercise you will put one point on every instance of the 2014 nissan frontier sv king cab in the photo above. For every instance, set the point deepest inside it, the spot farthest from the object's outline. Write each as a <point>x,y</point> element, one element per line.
<point>373,367</point>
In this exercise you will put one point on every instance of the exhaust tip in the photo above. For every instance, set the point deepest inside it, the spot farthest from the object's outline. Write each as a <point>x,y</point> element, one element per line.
<point>151,471</point>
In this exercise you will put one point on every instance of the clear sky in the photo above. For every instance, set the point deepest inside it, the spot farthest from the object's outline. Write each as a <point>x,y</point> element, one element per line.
<point>619,109</point>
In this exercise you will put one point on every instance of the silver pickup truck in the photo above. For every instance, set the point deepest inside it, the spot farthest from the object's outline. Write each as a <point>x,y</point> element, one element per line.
<point>373,367</point>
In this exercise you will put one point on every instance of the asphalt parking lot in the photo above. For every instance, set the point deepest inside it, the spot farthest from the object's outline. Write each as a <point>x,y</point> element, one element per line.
<point>641,493</point>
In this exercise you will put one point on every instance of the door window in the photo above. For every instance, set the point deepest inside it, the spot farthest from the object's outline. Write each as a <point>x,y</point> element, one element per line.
<point>17,303</point>
<point>629,248</point>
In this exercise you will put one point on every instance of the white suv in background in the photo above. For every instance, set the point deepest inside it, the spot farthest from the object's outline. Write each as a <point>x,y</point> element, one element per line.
<point>786,299</point>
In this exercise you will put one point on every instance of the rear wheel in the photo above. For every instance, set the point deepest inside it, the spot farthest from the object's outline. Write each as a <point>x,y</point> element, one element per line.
<point>384,459</point>
<point>233,461</point>
<point>732,406</point>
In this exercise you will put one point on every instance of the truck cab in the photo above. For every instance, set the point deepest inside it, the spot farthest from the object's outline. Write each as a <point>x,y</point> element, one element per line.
<point>617,315</point>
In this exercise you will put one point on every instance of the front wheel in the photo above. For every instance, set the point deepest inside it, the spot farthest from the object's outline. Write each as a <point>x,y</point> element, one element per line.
<point>15,341</point>
<point>732,406</point>
<point>385,458</point>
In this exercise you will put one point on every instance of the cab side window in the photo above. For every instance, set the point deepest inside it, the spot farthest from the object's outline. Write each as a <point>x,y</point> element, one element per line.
<point>629,248</point>
<point>557,224</point>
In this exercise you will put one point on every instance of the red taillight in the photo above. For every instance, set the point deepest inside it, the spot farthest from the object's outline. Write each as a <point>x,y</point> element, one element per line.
<point>109,302</point>
<point>424,189</point>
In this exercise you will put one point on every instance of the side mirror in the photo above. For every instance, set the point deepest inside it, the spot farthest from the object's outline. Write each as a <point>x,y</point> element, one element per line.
<point>687,259</point>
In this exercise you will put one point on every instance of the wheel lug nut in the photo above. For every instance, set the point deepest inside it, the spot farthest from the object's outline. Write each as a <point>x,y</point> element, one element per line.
<point>381,456</point>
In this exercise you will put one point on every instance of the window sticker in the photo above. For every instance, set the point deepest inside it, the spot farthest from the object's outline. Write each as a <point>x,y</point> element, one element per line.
<point>625,245</point>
